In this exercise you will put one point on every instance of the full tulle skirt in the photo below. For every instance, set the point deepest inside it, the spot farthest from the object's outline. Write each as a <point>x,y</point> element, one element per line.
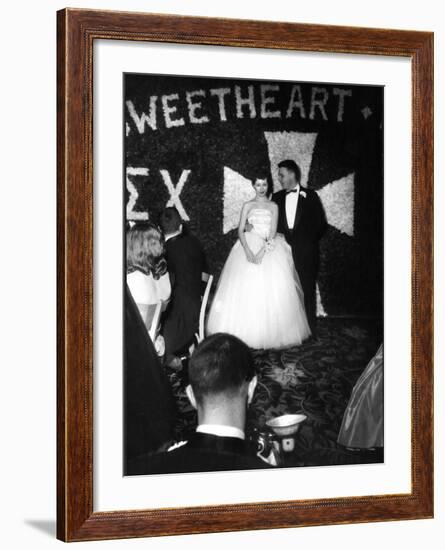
<point>262,304</point>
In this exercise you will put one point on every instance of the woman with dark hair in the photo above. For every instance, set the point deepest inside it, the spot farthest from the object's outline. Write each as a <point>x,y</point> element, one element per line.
<point>147,274</point>
<point>259,297</point>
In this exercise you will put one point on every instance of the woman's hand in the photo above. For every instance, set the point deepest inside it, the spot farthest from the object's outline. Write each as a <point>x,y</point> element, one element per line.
<point>260,255</point>
<point>250,255</point>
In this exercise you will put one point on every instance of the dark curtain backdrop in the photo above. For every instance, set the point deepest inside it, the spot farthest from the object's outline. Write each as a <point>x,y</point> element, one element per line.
<point>216,144</point>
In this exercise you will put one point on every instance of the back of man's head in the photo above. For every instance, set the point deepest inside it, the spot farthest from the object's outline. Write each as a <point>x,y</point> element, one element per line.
<point>221,365</point>
<point>170,220</point>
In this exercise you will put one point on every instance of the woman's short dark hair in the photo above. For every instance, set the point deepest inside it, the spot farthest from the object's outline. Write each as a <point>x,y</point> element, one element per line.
<point>145,249</point>
<point>220,364</point>
<point>266,177</point>
<point>292,166</point>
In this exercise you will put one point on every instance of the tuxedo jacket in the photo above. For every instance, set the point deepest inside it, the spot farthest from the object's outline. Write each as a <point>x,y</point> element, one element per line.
<point>201,453</point>
<point>309,225</point>
<point>186,262</point>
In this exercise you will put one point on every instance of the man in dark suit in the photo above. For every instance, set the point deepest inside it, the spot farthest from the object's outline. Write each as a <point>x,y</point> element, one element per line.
<point>302,220</point>
<point>222,382</point>
<point>185,261</point>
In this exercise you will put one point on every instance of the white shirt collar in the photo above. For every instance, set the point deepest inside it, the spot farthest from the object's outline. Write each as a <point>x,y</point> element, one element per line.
<point>171,235</point>
<point>221,429</point>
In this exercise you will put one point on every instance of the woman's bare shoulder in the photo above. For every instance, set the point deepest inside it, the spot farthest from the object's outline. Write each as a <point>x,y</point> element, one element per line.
<point>137,275</point>
<point>248,204</point>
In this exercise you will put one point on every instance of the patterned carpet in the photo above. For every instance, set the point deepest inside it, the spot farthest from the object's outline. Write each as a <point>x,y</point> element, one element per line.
<point>315,379</point>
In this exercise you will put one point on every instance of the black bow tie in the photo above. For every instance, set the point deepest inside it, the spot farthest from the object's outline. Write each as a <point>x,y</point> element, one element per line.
<point>292,191</point>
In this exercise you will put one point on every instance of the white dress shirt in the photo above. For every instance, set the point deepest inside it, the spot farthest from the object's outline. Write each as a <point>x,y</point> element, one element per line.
<point>221,429</point>
<point>291,206</point>
<point>171,235</point>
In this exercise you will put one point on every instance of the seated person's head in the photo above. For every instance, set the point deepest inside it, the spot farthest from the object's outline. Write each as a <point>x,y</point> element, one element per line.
<point>222,376</point>
<point>170,220</point>
<point>145,249</point>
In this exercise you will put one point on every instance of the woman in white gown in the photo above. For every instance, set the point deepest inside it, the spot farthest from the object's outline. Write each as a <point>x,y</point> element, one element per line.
<point>259,297</point>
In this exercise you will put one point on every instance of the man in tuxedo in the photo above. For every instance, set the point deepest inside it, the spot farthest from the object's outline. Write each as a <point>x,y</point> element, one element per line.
<point>222,381</point>
<point>185,262</point>
<point>302,220</point>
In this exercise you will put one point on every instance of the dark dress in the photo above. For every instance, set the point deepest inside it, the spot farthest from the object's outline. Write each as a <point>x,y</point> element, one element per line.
<point>185,260</point>
<point>201,453</point>
<point>149,408</point>
<point>310,224</point>
<point>362,425</point>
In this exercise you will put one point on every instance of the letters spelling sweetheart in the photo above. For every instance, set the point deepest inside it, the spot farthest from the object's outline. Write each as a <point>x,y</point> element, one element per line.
<point>176,109</point>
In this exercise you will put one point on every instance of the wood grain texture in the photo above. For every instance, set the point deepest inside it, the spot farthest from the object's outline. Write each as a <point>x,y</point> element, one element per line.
<point>76,32</point>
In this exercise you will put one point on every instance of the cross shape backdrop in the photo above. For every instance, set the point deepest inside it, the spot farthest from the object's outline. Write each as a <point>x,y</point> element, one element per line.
<point>198,143</point>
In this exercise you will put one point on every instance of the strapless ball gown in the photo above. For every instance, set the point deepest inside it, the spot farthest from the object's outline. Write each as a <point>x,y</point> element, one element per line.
<point>262,304</point>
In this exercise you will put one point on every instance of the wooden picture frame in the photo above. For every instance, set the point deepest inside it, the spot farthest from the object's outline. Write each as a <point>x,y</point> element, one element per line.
<point>76,32</point>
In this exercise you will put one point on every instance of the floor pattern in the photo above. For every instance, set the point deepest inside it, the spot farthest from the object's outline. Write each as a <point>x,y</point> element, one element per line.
<point>315,379</point>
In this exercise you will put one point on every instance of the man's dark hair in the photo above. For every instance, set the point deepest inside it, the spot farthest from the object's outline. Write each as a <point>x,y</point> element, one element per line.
<point>292,166</point>
<point>220,364</point>
<point>170,220</point>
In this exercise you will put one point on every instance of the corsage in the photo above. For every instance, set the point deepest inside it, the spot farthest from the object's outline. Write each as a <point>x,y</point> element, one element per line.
<point>269,245</point>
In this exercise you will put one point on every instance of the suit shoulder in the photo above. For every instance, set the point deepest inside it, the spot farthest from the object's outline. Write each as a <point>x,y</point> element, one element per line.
<point>194,241</point>
<point>310,192</point>
<point>158,462</point>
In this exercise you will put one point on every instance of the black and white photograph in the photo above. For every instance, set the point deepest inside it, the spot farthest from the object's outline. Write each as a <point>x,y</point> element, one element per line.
<point>253,274</point>
<point>222,222</point>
